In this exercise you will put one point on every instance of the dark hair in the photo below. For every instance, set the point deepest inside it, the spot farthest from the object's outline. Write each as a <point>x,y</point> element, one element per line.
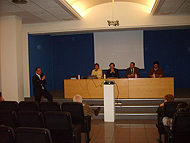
<point>111,64</point>
<point>156,62</point>
<point>0,94</point>
<point>133,63</point>
<point>96,64</point>
<point>37,68</point>
<point>169,98</point>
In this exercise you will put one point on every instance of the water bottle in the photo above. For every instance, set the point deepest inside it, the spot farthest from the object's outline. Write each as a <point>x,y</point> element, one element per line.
<point>135,75</point>
<point>78,76</point>
<point>104,76</point>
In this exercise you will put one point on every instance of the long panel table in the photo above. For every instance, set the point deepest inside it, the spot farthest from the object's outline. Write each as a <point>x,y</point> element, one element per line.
<point>125,88</point>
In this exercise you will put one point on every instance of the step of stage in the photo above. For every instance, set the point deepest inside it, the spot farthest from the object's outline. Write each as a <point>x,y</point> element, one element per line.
<point>127,108</point>
<point>129,116</point>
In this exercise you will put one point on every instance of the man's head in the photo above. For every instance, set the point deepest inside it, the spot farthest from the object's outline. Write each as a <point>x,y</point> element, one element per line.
<point>112,65</point>
<point>132,65</point>
<point>169,98</point>
<point>156,64</point>
<point>38,71</point>
<point>77,98</point>
<point>96,66</point>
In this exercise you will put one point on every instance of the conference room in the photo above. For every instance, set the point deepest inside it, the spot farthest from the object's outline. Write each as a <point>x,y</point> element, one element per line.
<point>65,38</point>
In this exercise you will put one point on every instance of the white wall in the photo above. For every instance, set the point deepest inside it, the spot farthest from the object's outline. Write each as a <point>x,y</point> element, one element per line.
<point>11,58</point>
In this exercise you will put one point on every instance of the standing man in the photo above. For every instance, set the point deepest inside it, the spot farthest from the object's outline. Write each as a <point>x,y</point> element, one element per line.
<point>132,70</point>
<point>39,89</point>
<point>156,71</point>
<point>112,71</point>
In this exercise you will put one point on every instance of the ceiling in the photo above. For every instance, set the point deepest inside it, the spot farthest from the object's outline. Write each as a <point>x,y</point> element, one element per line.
<point>44,11</point>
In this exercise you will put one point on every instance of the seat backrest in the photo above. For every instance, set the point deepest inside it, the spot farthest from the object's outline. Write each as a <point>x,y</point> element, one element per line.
<point>32,135</point>
<point>31,119</point>
<point>181,127</point>
<point>60,125</point>
<point>6,134</point>
<point>8,118</point>
<point>170,108</point>
<point>49,106</point>
<point>28,106</point>
<point>9,105</point>
<point>76,111</point>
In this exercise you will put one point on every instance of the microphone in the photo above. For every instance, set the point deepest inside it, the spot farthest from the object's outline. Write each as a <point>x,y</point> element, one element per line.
<point>42,75</point>
<point>84,74</point>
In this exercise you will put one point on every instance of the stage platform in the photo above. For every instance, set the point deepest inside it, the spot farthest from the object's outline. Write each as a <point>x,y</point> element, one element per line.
<point>127,108</point>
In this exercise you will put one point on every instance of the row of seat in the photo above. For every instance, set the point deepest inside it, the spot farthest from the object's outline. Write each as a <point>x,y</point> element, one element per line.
<point>59,123</point>
<point>180,125</point>
<point>70,120</point>
<point>24,135</point>
<point>29,106</point>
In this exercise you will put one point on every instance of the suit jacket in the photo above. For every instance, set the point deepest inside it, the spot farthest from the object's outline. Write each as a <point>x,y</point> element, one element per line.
<point>116,74</point>
<point>37,85</point>
<point>157,73</point>
<point>136,70</point>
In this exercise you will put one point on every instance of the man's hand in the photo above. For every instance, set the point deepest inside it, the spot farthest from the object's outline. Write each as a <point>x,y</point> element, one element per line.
<point>132,75</point>
<point>112,70</point>
<point>43,77</point>
<point>160,76</point>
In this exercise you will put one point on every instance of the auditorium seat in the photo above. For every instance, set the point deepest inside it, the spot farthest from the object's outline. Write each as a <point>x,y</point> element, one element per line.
<point>61,127</point>
<point>7,134</point>
<point>28,106</point>
<point>8,118</point>
<point>169,109</point>
<point>180,132</point>
<point>32,135</point>
<point>49,106</point>
<point>9,105</point>
<point>77,115</point>
<point>31,119</point>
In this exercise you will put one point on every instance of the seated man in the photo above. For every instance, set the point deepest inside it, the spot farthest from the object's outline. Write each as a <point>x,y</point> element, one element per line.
<point>167,98</point>
<point>132,70</point>
<point>156,71</point>
<point>112,71</point>
<point>96,71</point>
<point>88,111</point>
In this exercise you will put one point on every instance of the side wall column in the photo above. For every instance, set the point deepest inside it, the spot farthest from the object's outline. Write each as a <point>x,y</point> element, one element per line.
<point>11,58</point>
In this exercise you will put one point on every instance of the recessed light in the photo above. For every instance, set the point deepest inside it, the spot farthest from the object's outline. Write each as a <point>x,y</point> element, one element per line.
<point>166,13</point>
<point>67,19</point>
<point>39,12</point>
<point>19,1</point>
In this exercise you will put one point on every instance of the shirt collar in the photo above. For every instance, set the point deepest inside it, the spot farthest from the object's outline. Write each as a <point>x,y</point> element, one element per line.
<point>155,69</point>
<point>38,75</point>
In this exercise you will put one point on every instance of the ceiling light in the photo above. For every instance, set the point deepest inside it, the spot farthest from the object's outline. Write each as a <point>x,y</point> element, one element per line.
<point>19,1</point>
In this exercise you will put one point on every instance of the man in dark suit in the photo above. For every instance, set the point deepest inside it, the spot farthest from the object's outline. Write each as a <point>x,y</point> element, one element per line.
<point>39,89</point>
<point>132,70</point>
<point>112,71</point>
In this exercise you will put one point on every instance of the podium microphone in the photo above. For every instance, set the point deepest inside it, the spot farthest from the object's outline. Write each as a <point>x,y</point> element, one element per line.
<point>84,74</point>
